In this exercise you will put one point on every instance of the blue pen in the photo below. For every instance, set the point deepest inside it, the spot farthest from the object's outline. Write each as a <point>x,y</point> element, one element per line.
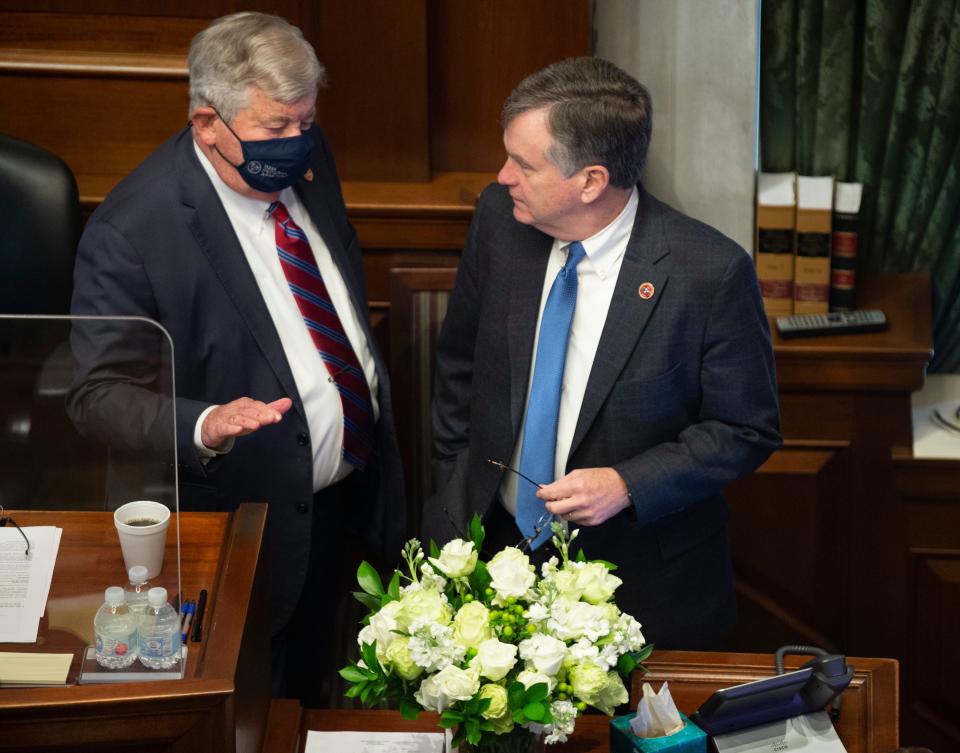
<point>188,615</point>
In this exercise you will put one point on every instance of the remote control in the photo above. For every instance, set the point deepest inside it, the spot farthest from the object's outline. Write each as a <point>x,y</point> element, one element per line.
<point>834,323</point>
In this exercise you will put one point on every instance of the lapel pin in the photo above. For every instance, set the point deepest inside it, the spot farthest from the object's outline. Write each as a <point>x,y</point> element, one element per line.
<point>308,175</point>
<point>646,290</point>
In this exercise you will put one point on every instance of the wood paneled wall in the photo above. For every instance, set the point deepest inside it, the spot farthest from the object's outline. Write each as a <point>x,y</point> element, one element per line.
<point>415,87</point>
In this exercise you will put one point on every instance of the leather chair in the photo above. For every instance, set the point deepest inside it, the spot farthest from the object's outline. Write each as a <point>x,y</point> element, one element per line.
<point>39,231</point>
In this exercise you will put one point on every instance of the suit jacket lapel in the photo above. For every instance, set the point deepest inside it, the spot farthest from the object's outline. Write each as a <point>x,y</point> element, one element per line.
<point>629,312</point>
<point>215,237</point>
<point>530,266</point>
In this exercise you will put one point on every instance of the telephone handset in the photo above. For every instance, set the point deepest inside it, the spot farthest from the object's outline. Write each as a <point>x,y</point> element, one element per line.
<point>809,688</point>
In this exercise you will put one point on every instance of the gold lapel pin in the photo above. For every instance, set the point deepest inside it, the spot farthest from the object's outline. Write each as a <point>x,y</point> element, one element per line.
<point>646,290</point>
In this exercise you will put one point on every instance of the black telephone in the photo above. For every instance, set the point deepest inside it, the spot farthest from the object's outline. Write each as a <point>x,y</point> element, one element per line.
<point>809,688</point>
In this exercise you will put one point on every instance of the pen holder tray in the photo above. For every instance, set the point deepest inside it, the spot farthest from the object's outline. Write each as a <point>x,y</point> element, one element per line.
<point>92,673</point>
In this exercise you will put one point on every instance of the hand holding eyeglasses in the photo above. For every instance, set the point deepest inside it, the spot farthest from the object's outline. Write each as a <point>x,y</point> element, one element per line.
<point>586,496</point>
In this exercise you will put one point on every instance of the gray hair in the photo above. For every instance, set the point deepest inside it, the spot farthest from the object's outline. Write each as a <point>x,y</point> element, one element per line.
<point>598,115</point>
<point>244,50</point>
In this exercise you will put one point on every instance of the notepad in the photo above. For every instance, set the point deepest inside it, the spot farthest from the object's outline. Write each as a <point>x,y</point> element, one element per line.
<point>33,669</point>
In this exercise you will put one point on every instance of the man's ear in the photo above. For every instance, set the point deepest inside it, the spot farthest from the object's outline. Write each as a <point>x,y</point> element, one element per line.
<point>596,178</point>
<point>204,120</point>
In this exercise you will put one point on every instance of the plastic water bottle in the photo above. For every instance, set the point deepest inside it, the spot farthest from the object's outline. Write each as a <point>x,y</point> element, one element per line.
<point>159,632</point>
<point>136,591</point>
<point>115,627</point>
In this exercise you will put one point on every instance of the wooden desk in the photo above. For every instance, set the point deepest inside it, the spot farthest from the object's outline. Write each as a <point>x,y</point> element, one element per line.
<point>868,719</point>
<point>222,703</point>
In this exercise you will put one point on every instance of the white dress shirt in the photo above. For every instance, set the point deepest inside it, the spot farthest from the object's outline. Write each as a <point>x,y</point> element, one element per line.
<point>255,230</point>
<point>596,280</point>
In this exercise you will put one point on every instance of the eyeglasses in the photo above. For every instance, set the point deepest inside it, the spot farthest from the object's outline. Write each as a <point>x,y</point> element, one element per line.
<point>944,423</point>
<point>4,519</point>
<point>543,522</point>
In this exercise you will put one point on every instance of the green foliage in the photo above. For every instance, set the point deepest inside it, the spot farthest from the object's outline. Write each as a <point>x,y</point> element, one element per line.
<point>369,580</point>
<point>477,534</point>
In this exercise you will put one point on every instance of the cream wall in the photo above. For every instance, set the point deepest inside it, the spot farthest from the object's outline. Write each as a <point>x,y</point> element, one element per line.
<point>699,60</point>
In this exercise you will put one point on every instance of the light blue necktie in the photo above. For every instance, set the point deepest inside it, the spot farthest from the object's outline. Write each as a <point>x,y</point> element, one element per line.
<point>543,408</point>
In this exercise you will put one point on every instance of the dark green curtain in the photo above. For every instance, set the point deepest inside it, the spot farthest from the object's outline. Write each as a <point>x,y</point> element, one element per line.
<point>869,91</point>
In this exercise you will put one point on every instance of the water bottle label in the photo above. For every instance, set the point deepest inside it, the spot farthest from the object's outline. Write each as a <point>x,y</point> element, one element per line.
<point>156,646</point>
<point>119,647</point>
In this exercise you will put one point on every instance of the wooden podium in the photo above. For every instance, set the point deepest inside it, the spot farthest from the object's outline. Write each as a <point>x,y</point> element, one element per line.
<point>868,718</point>
<point>222,702</point>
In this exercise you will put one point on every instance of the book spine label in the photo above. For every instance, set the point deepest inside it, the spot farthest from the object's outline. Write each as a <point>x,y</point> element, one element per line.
<point>843,265</point>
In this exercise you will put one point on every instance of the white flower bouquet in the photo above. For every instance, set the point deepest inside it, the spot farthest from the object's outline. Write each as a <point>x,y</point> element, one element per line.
<point>495,650</point>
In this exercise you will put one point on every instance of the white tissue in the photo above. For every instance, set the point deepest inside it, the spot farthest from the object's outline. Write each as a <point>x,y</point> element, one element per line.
<point>657,714</point>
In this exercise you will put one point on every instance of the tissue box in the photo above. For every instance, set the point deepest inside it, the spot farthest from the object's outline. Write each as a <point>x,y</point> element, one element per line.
<point>691,739</point>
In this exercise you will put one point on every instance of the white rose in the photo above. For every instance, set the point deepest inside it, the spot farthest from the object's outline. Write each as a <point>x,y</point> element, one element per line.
<point>471,625</point>
<point>528,677</point>
<point>543,653</point>
<point>457,559</point>
<point>566,583</point>
<point>494,659</point>
<point>450,684</point>
<point>422,604</point>
<point>511,573</point>
<point>381,627</point>
<point>596,583</point>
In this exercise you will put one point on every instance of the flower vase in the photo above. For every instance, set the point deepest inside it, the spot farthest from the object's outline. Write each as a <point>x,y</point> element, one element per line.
<point>518,740</point>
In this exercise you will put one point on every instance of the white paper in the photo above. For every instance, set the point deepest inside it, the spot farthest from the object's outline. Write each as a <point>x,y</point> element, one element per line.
<point>25,581</point>
<point>381,742</point>
<point>940,392</point>
<point>813,733</point>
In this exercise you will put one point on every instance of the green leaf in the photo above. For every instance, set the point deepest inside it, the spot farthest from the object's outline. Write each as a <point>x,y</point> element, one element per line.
<point>626,664</point>
<point>409,709</point>
<point>353,691</point>
<point>394,588</point>
<point>480,578</point>
<point>369,653</point>
<point>449,718</point>
<point>434,549</point>
<point>365,693</point>
<point>581,557</point>
<point>519,717</point>
<point>537,692</point>
<point>370,602</point>
<point>353,674</point>
<point>643,653</point>
<point>609,565</point>
<point>477,534</point>
<point>369,579</point>
<point>473,731</point>
<point>534,711</point>
<point>516,695</point>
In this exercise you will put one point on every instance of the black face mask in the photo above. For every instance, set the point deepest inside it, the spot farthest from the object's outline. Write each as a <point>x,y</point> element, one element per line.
<point>271,165</point>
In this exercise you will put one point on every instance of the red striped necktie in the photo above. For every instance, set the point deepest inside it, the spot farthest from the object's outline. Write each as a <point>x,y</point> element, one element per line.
<point>323,324</point>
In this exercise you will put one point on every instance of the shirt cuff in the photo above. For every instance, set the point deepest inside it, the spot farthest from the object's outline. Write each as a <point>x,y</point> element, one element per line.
<point>205,452</point>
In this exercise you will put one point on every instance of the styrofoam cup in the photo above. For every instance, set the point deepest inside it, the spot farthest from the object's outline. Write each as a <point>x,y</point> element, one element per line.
<point>143,544</point>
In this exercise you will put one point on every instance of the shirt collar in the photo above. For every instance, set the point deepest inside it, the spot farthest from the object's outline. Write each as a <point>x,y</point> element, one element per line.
<point>236,202</point>
<point>606,246</point>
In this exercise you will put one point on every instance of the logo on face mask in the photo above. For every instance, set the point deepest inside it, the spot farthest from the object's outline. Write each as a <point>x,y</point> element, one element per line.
<point>271,165</point>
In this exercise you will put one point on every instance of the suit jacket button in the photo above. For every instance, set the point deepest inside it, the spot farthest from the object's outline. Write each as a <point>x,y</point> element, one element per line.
<point>302,507</point>
<point>302,439</point>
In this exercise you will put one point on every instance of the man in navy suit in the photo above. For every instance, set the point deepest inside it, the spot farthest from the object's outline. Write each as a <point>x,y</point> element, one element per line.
<point>192,239</point>
<point>667,390</point>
